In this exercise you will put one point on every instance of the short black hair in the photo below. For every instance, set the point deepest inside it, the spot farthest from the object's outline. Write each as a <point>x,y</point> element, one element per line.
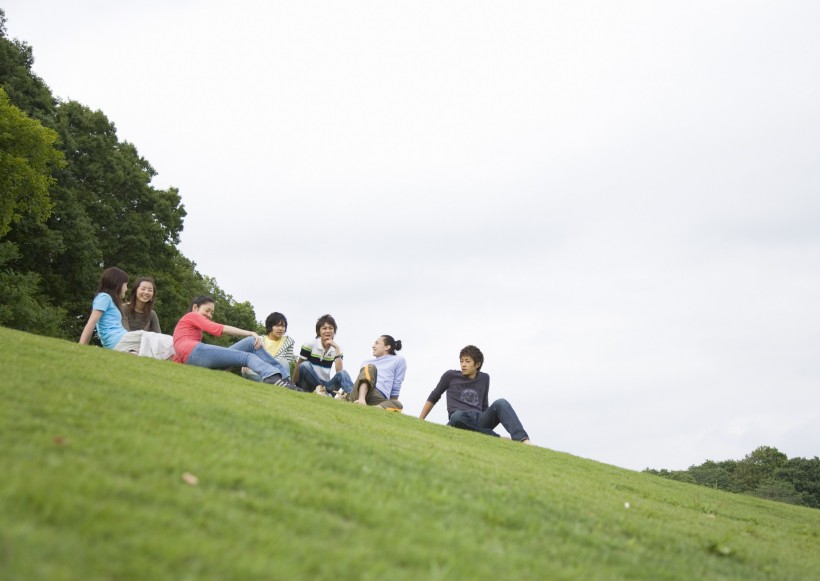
<point>473,353</point>
<point>326,320</point>
<point>273,320</point>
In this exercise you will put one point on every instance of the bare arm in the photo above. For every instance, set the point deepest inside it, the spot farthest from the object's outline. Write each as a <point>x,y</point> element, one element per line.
<point>85,336</point>
<point>237,332</point>
<point>428,405</point>
<point>338,363</point>
<point>295,378</point>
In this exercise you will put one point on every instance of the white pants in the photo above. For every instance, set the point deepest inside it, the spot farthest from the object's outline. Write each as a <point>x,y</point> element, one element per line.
<point>147,344</point>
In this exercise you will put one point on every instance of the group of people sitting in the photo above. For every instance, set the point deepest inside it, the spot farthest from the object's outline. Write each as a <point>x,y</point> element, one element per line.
<point>133,327</point>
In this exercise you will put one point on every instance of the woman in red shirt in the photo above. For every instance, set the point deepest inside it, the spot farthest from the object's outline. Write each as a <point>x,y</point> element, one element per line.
<point>189,348</point>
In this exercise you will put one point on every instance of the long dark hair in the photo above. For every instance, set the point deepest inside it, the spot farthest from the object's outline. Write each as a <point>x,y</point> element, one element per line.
<point>395,345</point>
<point>132,297</point>
<point>200,300</point>
<point>111,282</point>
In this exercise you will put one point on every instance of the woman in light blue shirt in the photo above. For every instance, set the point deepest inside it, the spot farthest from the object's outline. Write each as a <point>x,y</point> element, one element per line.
<point>106,316</point>
<point>380,379</point>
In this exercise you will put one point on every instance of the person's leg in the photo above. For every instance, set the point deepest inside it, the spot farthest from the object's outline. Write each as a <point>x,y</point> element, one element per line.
<point>247,345</point>
<point>376,398</point>
<point>215,357</point>
<point>308,379</point>
<point>130,342</point>
<point>464,420</point>
<point>248,373</point>
<point>156,345</point>
<point>364,381</point>
<point>341,379</point>
<point>501,412</point>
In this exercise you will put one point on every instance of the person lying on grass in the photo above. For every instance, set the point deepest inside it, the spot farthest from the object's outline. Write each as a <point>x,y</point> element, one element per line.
<point>318,358</point>
<point>248,352</point>
<point>276,343</point>
<point>379,381</point>
<point>106,316</point>
<point>467,399</point>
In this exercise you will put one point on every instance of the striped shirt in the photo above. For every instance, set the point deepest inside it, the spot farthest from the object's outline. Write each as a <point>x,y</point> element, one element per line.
<point>321,359</point>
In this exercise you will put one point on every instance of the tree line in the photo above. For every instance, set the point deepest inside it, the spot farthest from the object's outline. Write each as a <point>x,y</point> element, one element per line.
<point>765,473</point>
<point>74,199</point>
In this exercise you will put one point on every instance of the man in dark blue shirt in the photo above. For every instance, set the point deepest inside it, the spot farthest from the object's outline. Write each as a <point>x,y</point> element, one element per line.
<point>467,399</point>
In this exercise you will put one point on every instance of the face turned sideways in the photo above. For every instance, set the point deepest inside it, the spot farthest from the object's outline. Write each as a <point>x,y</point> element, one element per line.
<point>379,348</point>
<point>205,309</point>
<point>468,367</point>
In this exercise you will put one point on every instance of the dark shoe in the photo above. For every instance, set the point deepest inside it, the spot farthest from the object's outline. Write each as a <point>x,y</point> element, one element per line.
<point>277,379</point>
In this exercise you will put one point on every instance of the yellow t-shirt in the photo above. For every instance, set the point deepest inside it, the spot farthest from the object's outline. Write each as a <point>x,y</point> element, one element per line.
<point>272,346</point>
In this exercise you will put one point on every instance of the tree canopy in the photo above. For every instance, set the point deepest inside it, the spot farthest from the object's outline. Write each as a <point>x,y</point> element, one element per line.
<point>76,200</point>
<point>27,158</point>
<point>765,472</point>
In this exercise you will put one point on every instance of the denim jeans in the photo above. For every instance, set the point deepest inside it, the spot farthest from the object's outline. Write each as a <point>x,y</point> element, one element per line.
<point>247,345</point>
<point>309,379</point>
<point>500,412</point>
<point>215,357</point>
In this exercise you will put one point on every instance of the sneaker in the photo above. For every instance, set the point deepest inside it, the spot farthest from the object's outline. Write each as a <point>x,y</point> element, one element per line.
<point>321,390</point>
<point>277,379</point>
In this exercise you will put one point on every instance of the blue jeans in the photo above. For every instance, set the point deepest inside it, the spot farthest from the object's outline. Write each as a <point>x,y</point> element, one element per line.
<point>500,412</point>
<point>309,379</point>
<point>246,345</point>
<point>215,357</point>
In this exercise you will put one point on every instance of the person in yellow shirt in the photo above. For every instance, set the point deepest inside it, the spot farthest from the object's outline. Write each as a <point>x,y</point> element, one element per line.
<point>276,343</point>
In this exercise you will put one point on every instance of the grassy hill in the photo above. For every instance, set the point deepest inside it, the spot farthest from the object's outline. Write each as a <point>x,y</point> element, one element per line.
<point>100,452</point>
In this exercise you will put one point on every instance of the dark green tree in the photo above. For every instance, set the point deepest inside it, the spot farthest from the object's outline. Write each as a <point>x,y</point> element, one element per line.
<point>104,212</point>
<point>757,467</point>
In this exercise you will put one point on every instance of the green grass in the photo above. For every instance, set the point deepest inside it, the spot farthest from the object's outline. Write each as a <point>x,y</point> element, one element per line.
<point>293,486</point>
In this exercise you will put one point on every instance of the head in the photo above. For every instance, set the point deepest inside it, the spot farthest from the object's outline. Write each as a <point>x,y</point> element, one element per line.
<point>386,345</point>
<point>204,305</point>
<point>276,324</point>
<point>471,359</point>
<point>326,327</point>
<point>114,282</point>
<point>142,293</point>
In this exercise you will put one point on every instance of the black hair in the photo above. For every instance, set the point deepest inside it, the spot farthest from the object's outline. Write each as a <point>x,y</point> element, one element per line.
<point>473,353</point>
<point>200,300</point>
<point>111,282</point>
<point>392,343</point>
<point>326,320</point>
<point>273,320</point>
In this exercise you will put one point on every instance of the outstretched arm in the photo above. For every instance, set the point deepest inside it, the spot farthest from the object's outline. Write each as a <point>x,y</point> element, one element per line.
<point>85,336</point>
<point>428,405</point>
<point>237,332</point>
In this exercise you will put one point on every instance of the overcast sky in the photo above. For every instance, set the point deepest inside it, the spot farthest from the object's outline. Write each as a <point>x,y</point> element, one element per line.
<point>618,202</point>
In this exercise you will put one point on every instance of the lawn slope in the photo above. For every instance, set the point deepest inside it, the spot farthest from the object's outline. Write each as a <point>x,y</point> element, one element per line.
<point>97,447</point>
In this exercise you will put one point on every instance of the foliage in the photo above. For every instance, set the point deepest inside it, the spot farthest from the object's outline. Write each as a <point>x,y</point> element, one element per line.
<point>766,472</point>
<point>27,157</point>
<point>103,212</point>
<point>99,449</point>
<point>23,305</point>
